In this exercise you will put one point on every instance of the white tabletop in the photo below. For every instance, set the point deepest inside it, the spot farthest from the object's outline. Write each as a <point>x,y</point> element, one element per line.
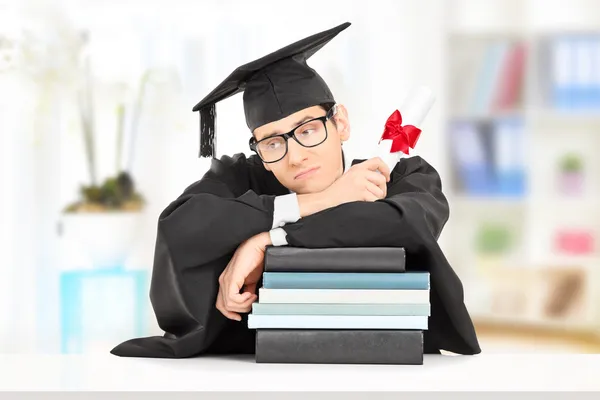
<point>482,372</point>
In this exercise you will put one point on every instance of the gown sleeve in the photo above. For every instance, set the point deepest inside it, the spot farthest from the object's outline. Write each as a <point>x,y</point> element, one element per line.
<point>411,216</point>
<point>197,235</point>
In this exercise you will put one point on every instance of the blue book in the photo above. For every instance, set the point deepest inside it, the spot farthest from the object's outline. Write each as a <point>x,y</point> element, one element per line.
<point>584,74</point>
<point>564,70</point>
<point>469,154</point>
<point>488,77</point>
<point>342,280</point>
<point>509,146</point>
<point>596,69</point>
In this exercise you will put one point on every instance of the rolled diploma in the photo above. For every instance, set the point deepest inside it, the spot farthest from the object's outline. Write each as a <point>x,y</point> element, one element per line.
<point>414,109</point>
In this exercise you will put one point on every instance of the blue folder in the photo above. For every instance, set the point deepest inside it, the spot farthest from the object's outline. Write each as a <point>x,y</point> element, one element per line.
<point>99,308</point>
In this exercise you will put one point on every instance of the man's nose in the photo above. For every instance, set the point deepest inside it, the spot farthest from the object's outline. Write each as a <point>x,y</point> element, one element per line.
<point>296,152</point>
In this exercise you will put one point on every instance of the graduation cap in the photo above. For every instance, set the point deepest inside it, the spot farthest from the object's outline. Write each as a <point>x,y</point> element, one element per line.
<point>274,86</point>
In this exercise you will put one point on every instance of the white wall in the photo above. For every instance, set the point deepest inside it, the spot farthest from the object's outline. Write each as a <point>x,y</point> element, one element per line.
<point>17,219</point>
<point>370,67</point>
<point>390,46</point>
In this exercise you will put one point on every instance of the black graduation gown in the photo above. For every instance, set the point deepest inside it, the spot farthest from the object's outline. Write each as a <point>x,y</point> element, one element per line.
<point>199,232</point>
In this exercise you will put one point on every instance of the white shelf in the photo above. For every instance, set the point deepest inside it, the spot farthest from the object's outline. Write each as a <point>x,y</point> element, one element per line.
<point>563,262</point>
<point>486,17</point>
<point>576,117</point>
<point>533,17</point>
<point>537,322</point>
<point>589,262</point>
<point>551,16</point>
<point>495,115</point>
<point>574,203</point>
<point>487,201</point>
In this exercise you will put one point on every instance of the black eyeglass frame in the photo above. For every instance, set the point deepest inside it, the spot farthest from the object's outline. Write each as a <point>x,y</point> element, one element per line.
<point>286,136</point>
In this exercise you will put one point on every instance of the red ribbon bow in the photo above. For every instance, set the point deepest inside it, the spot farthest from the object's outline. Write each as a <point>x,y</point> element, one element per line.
<point>403,137</point>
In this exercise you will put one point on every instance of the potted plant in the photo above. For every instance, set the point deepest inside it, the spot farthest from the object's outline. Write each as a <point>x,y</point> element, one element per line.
<point>493,242</point>
<point>571,174</point>
<point>106,217</point>
<point>493,239</point>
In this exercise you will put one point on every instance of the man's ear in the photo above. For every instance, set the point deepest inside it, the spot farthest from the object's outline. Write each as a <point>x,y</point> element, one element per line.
<point>342,122</point>
<point>264,164</point>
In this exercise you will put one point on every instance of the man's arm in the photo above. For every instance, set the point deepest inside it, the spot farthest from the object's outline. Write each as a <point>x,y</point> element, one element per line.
<point>414,207</point>
<point>359,183</point>
<point>412,216</point>
<point>290,208</point>
<point>197,235</point>
<point>366,181</point>
<point>287,209</point>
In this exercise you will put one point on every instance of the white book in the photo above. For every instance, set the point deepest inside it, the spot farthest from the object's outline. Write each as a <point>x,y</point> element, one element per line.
<point>596,71</point>
<point>336,322</point>
<point>343,296</point>
<point>510,146</point>
<point>562,63</point>
<point>584,71</point>
<point>563,72</point>
<point>468,146</point>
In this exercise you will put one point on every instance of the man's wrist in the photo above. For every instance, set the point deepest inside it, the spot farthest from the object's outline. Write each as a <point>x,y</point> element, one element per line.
<point>285,210</point>
<point>263,240</point>
<point>312,203</point>
<point>278,237</point>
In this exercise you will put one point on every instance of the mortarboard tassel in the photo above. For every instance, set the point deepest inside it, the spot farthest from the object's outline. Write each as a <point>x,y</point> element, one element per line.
<point>207,131</point>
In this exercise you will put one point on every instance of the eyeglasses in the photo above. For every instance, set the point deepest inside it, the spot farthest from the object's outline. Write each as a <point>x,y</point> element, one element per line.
<point>308,134</point>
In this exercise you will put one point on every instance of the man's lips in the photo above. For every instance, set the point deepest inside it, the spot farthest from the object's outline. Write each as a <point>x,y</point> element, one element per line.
<point>306,173</point>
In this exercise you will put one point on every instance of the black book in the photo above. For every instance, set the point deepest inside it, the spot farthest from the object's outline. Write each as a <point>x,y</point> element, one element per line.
<point>302,346</point>
<point>342,259</point>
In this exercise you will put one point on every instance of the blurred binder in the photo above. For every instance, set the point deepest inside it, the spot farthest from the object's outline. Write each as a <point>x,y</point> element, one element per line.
<point>510,163</point>
<point>489,157</point>
<point>470,158</point>
<point>575,72</point>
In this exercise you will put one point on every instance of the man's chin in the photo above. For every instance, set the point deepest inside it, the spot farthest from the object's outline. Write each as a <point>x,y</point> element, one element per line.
<point>309,186</point>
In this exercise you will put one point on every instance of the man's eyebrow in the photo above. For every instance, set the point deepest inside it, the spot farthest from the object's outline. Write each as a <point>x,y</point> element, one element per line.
<point>306,118</point>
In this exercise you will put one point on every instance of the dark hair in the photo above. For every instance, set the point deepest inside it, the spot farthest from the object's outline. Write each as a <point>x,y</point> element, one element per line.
<point>327,107</point>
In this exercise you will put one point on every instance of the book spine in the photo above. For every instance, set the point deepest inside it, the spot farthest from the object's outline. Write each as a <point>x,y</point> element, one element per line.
<point>367,260</point>
<point>336,322</point>
<point>341,309</point>
<point>324,280</point>
<point>343,296</point>
<point>339,347</point>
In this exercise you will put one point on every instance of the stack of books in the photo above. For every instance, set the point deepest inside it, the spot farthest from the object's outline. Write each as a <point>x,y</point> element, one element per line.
<point>340,306</point>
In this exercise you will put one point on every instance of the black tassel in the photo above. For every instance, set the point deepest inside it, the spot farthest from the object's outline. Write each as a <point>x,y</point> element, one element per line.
<point>207,131</point>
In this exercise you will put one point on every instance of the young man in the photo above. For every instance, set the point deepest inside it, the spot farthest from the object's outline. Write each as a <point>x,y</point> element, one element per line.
<point>294,191</point>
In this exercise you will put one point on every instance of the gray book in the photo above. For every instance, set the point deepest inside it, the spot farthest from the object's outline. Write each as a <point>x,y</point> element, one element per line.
<point>343,259</point>
<point>339,346</point>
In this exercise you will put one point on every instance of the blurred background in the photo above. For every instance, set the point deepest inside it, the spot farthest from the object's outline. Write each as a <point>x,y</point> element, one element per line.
<point>96,100</point>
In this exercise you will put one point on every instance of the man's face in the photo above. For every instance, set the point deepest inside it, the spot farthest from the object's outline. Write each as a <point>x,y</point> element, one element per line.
<point>308,169</point>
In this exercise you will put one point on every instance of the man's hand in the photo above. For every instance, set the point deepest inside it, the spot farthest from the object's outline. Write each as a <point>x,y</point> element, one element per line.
<point>362,182</point>
<point>243,272</point>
